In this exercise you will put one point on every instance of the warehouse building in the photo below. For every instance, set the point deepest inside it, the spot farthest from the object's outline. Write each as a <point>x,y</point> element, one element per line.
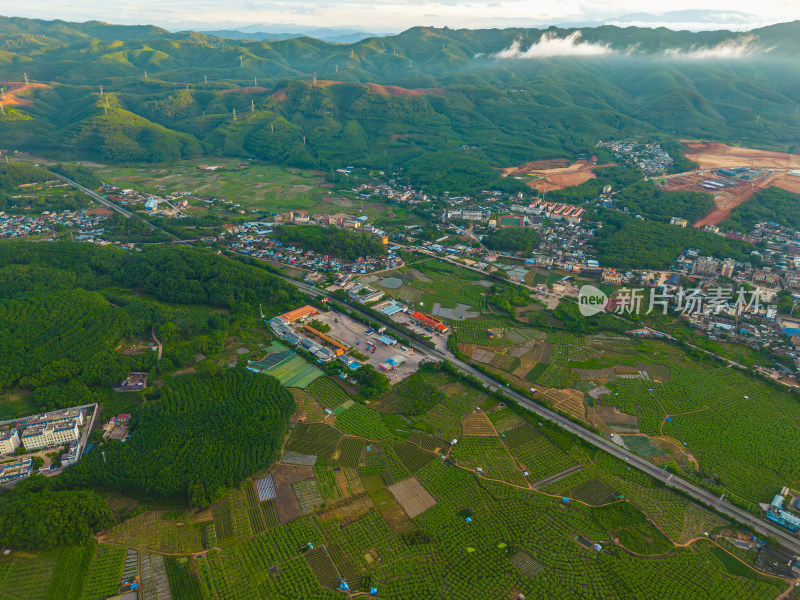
<point>429,322</point>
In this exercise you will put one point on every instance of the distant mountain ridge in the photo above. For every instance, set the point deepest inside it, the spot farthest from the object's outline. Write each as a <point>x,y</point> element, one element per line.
<point>510,95</point>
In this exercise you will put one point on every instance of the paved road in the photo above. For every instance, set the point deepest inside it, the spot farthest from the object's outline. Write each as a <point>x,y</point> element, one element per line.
<point>95,196</point>
<point>765,528</point>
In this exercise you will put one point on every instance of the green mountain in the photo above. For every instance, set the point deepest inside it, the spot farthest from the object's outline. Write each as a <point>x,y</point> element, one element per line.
<point>512,94</point>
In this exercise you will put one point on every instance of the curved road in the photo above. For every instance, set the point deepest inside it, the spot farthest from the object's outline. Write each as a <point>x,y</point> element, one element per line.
<point>765,528</point>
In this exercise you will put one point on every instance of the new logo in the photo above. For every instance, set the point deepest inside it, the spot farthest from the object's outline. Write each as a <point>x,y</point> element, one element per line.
<point>591,300</point>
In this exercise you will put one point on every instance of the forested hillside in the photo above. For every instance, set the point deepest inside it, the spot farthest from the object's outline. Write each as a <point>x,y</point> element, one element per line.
<point>385,102</point>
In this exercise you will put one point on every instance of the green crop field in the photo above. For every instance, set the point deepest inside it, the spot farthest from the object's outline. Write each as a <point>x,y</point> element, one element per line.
<point>413,457</point>
<point>541,458</point>
<point>490,455</point>
<point>260,187</point>
<point>295,373</point>
<point>350,451</point>
<point>104,574</point>
<point>327,392</point>
<point>361,421</point>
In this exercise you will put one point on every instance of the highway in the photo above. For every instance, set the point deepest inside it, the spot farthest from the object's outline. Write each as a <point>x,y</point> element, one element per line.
<point>95,196</point>
<point>761,526</point>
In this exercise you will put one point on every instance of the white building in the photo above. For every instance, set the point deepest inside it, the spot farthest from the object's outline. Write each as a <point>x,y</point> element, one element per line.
<point>50,434</point>
<point>9,441</point>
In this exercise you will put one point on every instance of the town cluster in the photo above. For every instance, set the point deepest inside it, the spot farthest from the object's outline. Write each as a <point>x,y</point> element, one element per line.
<point>651,158</point>
<point>14,226</point>
<point>252,239</point>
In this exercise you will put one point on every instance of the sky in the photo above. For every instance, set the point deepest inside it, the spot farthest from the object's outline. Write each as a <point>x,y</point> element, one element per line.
<point>385,16</point>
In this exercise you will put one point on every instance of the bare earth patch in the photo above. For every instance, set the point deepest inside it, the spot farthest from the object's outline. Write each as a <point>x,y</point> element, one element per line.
<point>414,498</point>
<point>712,155</point>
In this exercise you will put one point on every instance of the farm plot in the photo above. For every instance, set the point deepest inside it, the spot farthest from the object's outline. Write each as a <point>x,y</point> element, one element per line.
<point>446,423</point>
<point>360,421</point>
<point>67,577</point>
<point>484,332</point>
<point>350,449</point>
<point>466,400</point>
<point>520,435</point>
<point>104,574</point>
<point>504,419</point>
<point>231,518</point>
<point>253,505</point>
<point>308,495</point>
<point>526,564</point>
<point>541,458</point>
<point>321,564</point>
<point>413,457</point>
<point>314,438</point>
<point>593,492</point>
<point>184,584</point>
<point>326,483</point>
<point>477,424</point>
<point>268,508</point>
<point>155,582</point>
<point>158,531</point>
<point>295,372</point>
<point>27,578</point>
<point>327,392</point>
<point>429,443</point>
<point>286,503</point>
<point>489,455</point>
<point>372,462</point>
<point>293,458</point>
<point>414,498</point>
<point>308,410</point>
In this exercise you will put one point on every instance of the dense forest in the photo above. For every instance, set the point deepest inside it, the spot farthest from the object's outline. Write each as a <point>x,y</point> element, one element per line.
<point>512,239</point>
<point>33,516</point>
<point>194,438</point>
<point>629,243</point>
<point>342,243</point>
<point>772,205</point>
<point>644,198</point>
<point>65,308</point>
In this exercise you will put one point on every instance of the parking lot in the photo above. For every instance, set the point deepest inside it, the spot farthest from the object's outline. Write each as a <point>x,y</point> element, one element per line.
<point>349,332</point>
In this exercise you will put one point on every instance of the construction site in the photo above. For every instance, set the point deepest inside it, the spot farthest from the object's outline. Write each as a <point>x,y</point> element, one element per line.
<point>730,186</point>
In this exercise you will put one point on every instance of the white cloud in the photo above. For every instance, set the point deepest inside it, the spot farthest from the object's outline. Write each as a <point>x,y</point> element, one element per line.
<point>550,45</point>
<point>742,47</point>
